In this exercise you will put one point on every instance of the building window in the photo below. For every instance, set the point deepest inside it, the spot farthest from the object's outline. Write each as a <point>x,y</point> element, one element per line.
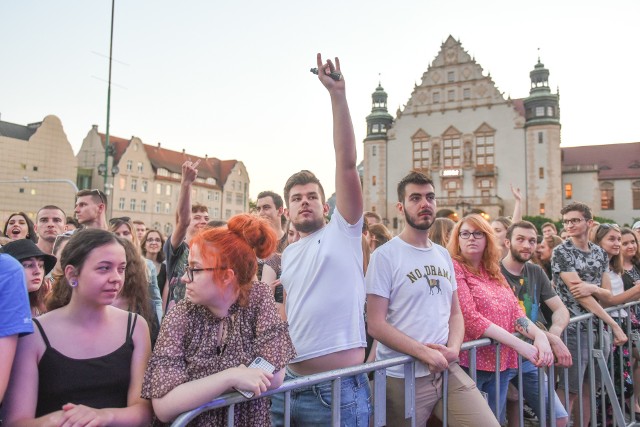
<point>541,173</point>
<point>121,203</point>
<point>485,149</point>
<point>606,196</point>
<point>129,165</point>
<point>229,196</point>
<point>539,111</point>
<point>216,196</point>
<point>451,152</point>
<point>550,111</point>
<point>233,185</point>
<point>158,207</point>
<point>635,194</point>
<point>436,97</point>
<point>35,169</point>
<point>163,172</point>
<point>466,93</point>
<point>373,180</point>
<point>132,204</point>
<point>145,184</point>
<point>452,187</point>
<point>143,205</point>
<point>123,183</point>
<point>209,195</point>
<point>374,151</point>
<point>451,95</point>
<point>239,199</point>
<point>227,213</point>
<point>450,77</point>
<point>158,188</point>
<point>167,207</point>
<point>568,191</point>
<point>168,229</point>
<point>140,167</point>
<point>21,190</point>
<point>156,226</point>
<point>167,190</point>
<point>420,154</point>
<point>134,184</point>
<point>216,212</point>
<point>541,208</point>
<point>540,137</point>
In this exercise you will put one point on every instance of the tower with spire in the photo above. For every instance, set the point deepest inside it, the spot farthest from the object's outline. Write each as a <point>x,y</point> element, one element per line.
<point>375,154</point>
<point>542,145</point>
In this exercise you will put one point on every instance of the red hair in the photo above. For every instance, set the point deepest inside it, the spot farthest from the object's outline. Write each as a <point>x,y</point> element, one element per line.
<point>491,254</point>
<point>236,247</point>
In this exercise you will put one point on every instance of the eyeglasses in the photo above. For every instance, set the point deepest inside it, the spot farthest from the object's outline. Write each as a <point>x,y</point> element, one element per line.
<point>476,234</point>
<point>573,221</point>
<point>189,271</point>
<point>154,240</point>
<point>119,220</point>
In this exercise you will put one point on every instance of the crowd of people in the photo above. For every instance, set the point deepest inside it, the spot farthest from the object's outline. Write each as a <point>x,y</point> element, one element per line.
<point>105,322</point>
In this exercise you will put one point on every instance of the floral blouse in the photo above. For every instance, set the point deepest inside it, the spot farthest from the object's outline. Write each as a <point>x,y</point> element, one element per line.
<point>188,349</point>
<point>484,301</point>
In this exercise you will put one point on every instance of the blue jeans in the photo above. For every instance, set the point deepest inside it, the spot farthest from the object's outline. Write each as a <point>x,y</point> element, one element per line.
<point>531,394</point>
<point>486,382</point>
<point>311,405</point>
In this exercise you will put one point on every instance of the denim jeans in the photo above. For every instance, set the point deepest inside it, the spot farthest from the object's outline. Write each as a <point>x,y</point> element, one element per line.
<point>486,382</point>
<point>531,394</point>
<point>311,405</point>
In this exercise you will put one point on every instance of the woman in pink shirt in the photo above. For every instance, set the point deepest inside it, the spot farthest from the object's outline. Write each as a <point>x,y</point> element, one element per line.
<point>491,309</point>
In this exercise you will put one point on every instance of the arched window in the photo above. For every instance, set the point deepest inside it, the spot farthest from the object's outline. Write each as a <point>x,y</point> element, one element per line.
<point>606,196</point>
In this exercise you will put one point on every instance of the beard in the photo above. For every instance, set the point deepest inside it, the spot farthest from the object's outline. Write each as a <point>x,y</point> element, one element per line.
<point>413,222</point>
<point>309,226</point>
<point>516,256</point>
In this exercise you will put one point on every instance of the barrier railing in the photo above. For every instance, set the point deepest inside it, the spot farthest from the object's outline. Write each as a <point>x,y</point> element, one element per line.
<point>600,354</point>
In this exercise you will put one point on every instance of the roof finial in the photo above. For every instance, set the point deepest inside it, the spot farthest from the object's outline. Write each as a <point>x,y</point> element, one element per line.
<point>379,79</point>
<point>538,55</point>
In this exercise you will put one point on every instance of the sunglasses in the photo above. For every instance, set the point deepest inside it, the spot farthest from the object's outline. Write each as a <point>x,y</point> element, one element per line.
<point>103,197</point>
<point>119,220</point>
<point>609,226</point>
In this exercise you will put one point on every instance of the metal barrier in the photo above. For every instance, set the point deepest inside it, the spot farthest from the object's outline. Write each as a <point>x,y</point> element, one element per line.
<point>598,360</point>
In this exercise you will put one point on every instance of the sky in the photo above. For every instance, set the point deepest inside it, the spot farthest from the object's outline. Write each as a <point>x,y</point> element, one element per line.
<point>231,79</point>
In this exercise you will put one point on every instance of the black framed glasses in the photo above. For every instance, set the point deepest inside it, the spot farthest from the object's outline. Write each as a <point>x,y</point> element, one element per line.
<point>573,221</point>
<point>467,234</point>
<point>189,270</point>
<point>119,219</point>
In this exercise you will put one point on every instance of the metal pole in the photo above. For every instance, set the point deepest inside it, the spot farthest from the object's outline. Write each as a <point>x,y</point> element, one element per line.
<point>106,145</point>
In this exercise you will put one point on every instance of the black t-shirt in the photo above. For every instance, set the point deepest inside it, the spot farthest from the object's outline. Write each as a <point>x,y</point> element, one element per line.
<point>532,288</point>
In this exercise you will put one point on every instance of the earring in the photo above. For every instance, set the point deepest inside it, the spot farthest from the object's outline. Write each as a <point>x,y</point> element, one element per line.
<point>74,284</point>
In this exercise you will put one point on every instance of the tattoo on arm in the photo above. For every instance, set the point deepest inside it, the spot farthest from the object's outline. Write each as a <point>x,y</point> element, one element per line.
<point>522,325</point>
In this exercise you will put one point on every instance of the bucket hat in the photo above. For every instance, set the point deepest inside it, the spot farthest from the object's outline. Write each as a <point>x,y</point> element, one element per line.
<point>22,249</point>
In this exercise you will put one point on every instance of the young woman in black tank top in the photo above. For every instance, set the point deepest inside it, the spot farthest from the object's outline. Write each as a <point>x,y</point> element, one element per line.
<point>85,363</point>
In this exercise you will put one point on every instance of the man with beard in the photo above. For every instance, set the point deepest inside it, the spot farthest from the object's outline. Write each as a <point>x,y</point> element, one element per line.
<point>323,279</point>
<point>50,222</point>
<point>530,284</point>
<point>413,308</point>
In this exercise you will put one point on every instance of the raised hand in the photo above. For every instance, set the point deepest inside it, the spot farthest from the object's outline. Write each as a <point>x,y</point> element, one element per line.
<point>190,171</point>
<point>327,68</point>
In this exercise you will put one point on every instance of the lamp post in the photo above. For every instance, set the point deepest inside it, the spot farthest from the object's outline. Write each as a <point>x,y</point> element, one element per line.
<point>107,142</point>
<point>463,206</point>
<point>108,187</point>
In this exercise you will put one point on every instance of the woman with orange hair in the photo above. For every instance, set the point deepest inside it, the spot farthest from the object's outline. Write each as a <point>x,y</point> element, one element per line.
<point>225,322</point>
<point>490,309</point>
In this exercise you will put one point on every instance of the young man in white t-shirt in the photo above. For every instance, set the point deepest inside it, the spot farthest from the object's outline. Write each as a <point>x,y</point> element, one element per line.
<point>413,308</point>
<point>323,279</point>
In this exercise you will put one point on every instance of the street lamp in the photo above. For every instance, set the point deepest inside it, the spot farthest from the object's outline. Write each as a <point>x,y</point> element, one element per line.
<point>102,171</point>
<point>463,206</point>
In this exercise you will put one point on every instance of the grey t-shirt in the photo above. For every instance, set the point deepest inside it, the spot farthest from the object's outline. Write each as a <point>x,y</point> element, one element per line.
<point>176,262</point>
<point>532,288</point>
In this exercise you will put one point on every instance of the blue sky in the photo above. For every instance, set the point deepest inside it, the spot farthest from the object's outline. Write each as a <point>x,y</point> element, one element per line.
<point>231,79</point>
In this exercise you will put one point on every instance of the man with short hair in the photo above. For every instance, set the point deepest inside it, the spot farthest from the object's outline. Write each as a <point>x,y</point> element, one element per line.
<point>270,207</point>
<point>532,287</point>
<point>190,219</point>
<point>574,262</point>
<point>91,209</point>
<point>413,308</point>
<point>549,229</point>
<point>141,229</point>
<point>50,222</point>
<point>323,279</point>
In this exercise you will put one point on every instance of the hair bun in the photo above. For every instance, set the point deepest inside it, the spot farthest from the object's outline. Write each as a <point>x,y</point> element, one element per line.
<point>256,232</point>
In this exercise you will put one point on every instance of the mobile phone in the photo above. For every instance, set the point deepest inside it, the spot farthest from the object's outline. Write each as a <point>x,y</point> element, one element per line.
<point>259,363</point>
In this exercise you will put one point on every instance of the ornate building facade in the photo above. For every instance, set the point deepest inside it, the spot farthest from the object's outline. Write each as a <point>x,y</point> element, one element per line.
<point>472,141</point>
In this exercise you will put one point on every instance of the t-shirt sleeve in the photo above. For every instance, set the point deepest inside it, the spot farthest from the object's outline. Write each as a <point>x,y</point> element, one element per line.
<point>475,323</point>
<point>353,230</point>
<point>15,314</point>
<point>167,367</point>
<point>378,278</point>
<point>546,290</point>
<point>272,340</point>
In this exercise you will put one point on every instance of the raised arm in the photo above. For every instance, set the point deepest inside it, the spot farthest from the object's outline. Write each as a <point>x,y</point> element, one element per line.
<point>189,175</point>
<point>517,208</point>
<point>348,190</point>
